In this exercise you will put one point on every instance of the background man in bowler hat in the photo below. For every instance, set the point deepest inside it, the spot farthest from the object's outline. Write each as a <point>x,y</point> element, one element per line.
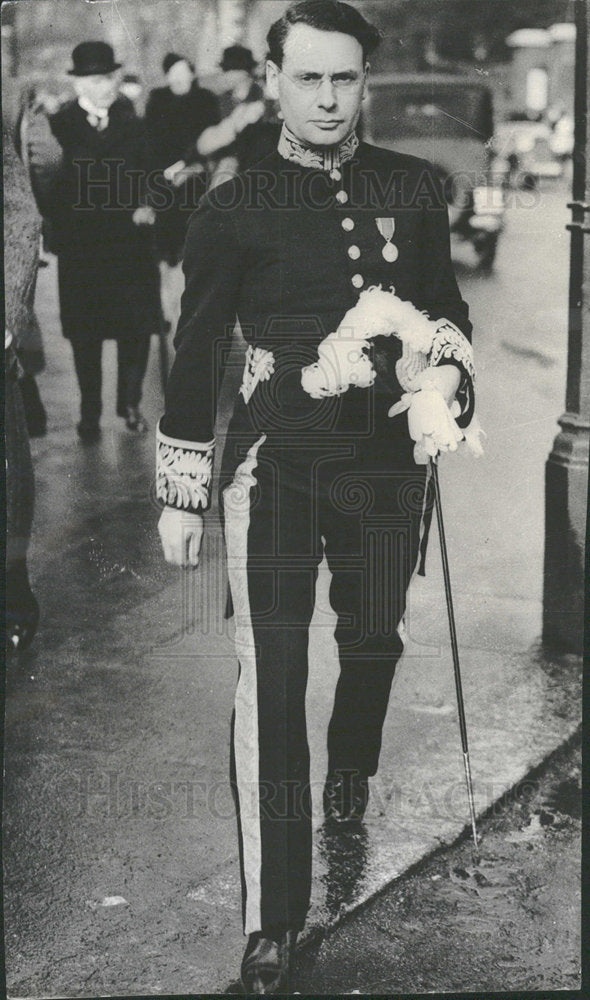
<point>102,233</point>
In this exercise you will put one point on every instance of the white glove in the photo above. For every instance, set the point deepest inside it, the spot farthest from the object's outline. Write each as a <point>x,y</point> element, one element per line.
<point>144,216</point>
<point>430,421</point>
<point>181,534</point>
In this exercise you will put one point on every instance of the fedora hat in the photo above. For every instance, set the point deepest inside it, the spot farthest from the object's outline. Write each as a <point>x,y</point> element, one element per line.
<point>93,57</point>
<point>237,57</point>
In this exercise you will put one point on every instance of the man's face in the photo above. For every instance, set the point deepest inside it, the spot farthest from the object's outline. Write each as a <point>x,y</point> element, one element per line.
<point>235,78</point>
<point>320,85</point>
<point>100,88</point>
<point>131,90</point>
<point>180,77</point>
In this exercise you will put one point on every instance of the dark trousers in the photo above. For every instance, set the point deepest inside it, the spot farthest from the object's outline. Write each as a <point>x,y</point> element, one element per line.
<point>132,358</point>
<point>285,506</point>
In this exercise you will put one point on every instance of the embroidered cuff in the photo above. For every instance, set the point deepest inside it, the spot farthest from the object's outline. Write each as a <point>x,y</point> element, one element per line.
<point>260,365</point>
<point>183,473</point>
<point>450,346</point>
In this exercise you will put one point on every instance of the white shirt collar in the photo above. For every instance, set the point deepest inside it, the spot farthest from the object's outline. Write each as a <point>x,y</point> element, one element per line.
<point>98,117</point>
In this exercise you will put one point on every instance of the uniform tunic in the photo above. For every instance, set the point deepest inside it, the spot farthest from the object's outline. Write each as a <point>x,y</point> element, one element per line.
<point>288,247</point>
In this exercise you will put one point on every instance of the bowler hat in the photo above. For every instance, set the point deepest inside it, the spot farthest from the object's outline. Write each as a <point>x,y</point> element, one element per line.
<point>237,57</point>
<point>93,57</point>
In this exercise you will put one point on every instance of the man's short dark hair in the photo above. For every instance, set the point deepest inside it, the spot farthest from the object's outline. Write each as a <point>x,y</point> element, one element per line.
<point>325,15</point>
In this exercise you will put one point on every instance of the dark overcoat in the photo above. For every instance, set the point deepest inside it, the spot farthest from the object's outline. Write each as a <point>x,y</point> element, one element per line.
<point>173,123</point>
<point>108,277</point>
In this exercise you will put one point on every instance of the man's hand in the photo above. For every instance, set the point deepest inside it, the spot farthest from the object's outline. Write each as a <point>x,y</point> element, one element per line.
<point>431,425</point>
<point>173,170</point>
<point>246,114</point>
<point>144,216</point>
<point>446,378</point>
<point>431,412</point>
<point>226,168</point>
<point>181,534</point>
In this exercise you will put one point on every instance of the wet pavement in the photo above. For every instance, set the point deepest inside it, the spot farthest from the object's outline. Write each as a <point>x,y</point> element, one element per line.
<point>505,919</point>
<point>120,849</point>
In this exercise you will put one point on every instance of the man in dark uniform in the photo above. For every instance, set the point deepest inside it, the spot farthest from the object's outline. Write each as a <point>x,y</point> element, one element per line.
<point>289,247</point>
<point>101,232</point>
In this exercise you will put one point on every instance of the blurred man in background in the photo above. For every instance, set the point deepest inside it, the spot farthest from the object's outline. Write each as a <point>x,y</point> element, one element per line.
<point>175,117</point>
<point>132,88</point>
<point>92,161</point>
<point>243,106</point>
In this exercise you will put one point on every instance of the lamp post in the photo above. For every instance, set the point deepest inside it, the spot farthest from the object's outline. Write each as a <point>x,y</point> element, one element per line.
<point>566,471</point>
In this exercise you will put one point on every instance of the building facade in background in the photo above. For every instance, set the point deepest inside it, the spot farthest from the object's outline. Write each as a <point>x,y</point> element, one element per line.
<point>542,68</point>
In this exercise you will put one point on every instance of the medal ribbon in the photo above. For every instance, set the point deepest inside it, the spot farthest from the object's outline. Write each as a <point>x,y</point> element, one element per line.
<point>387,228</point>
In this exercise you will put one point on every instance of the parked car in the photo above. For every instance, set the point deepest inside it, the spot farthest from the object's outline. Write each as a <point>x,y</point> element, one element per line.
<point>448,120</point>
<point>533,151</point>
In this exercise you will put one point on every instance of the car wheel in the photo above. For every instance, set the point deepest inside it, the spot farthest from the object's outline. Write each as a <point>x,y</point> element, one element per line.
<point>486,245</point>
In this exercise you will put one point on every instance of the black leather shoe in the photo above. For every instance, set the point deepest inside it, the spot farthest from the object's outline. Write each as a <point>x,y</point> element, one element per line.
<point>346,794</point>
<point>88,431</point>
<point>135,421</point>
<point>266,965</point>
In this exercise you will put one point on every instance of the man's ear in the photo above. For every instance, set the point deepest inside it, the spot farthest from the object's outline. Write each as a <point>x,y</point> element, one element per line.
<point>366,83</point>
<point>272,80</point>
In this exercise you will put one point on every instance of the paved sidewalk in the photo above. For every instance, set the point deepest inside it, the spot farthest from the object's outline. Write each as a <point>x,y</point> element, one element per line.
<point>505,920</point>
<point>117,720</point>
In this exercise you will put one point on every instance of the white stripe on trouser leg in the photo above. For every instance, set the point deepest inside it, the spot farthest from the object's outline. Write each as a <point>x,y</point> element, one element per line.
<point>236,499</point>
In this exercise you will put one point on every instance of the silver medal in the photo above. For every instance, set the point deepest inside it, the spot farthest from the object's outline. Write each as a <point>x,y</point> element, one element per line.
<point>386,227</point>
<point>390,252</point>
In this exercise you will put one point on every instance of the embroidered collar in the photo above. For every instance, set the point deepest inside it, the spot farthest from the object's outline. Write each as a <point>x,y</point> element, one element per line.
<point>321,157</point>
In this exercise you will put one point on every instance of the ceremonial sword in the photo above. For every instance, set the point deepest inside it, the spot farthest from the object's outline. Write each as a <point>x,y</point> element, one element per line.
<point>454,646</point>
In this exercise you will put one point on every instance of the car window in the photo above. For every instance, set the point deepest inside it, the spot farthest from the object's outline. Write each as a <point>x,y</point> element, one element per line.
<point>430,112</point>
